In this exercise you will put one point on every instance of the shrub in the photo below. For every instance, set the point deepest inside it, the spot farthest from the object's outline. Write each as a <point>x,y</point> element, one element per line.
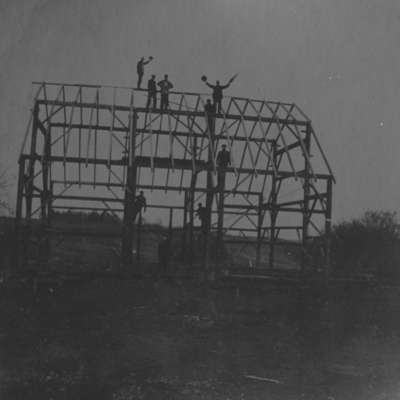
<point>370,244</point>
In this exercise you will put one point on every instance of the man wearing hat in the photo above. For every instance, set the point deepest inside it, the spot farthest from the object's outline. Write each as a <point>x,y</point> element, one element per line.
<point>140,69</point>
<point>223,158</point>
<point>165,87</point>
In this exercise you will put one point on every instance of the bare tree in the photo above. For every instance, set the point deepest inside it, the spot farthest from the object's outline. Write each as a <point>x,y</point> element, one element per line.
<point>5,207</point>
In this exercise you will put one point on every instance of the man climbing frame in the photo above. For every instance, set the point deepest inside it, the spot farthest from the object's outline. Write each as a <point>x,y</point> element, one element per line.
<point>201,213</point>
<point>223,162</point>
<point>209,109</point>
<point>140,69</point>
<point>139,204</point>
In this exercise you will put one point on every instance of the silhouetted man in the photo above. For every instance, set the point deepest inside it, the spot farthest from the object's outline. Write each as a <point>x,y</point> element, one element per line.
<point>223,158</point>
<point>209,108</point>
<point>139,205</point>
<point>165,86</point>
<point>223,162</point>
<point>151,92</point>
<point>140,69</point>
<point>217,94</point>
<point>201,213</point>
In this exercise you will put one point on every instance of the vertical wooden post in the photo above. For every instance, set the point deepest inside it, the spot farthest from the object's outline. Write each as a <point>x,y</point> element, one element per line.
<point>170,225</point>
<point>273,209</point>
<point>329,309</point>
<point>328,227</point>
<point>19,247</point>
<point>31,165</point>
<point>170,240</point>
<point>20,188</point>
<point>191,216</point>
<point>209,197</point>
<point>45,197</point>
<point>191,196</point>
<point>206,233</point>
<point>184,228</point>
<point>130,190</point>
<point>220,225</point>
<point>260,220</point>
<point>139,239</point>
<point>45,173</point>
<point>50,203</point>
<point>209,201</point>
<point>306,192</point>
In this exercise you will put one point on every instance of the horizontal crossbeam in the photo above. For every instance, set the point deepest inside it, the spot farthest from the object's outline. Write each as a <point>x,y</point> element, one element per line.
<point>276,120</point>
<point>168,163</point>
<point>106,129</point>
<point>153,187</point>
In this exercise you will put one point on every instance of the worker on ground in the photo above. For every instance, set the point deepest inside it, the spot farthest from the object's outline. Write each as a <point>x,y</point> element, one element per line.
<point>201,213</point>
<point>140,69</point>
<point>209,109</point>
<point>217,94</point>
<point>151,92</point>
<point>139,205</point>
<point>165,86</point>
<point>223,162</point>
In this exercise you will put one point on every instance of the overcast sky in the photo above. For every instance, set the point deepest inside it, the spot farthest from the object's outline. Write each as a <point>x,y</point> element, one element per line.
<point>339,60</point>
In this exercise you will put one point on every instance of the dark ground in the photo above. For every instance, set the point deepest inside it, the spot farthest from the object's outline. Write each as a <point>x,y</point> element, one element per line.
<point>116,339</point>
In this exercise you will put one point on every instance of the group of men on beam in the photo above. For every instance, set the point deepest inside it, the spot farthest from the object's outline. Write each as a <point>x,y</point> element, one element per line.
<point>165,86</point>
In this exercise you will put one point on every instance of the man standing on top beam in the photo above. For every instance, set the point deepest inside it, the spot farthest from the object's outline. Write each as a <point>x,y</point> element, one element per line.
<point>140,69</point>
<point>217,94</point>
<point>165,87</point>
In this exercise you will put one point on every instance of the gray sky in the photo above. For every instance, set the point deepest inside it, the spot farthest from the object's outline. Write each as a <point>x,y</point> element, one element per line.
<point>337,59</point>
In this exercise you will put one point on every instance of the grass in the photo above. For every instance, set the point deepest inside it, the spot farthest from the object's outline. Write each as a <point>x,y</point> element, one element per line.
<point>114,339</point>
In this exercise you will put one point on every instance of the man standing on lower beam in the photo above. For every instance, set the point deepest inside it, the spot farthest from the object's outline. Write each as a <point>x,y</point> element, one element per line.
<point>139,204</point>
<point>151,92</point>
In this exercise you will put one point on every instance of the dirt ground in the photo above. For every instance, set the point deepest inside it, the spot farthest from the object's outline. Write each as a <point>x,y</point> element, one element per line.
<point>142,339</point>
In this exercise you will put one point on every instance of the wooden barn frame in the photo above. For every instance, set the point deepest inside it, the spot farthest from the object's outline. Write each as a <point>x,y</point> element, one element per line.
<point>84,137</point>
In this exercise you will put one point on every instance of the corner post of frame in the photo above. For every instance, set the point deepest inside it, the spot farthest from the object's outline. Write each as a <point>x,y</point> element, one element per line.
<point>32,158</point>
<point>273,208</point>
<point>19,246</point>
<point>130,190</point>
<point>328,227</point>
<point>259,229</point>
<point>306,195</point>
